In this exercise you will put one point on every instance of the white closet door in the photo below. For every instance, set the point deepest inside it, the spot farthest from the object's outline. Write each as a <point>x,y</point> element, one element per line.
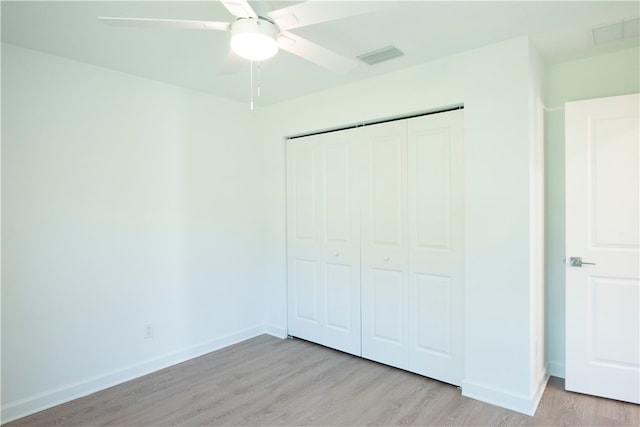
<point>340,203</point>
<point>384,244</point>
<point>304,247</point>
<point>324,240</point>
<point>436,246</point>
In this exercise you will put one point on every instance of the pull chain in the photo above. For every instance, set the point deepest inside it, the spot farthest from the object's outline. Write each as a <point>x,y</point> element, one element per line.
<point>259,87</point>
<point>251,84</point>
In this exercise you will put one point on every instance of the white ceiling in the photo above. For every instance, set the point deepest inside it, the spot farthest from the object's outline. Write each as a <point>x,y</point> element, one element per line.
<point>423,30</point>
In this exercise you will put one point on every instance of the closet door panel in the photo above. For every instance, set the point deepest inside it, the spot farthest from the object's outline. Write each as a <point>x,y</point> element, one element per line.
<point>304,254</point>
<point>384,244</point>
<point>386,181</point>
<point>433,323</point>
<point>338,210</point>
<point>304,192</point>
<point>339,299</point>
<point>387,306</point>
<point>431,187</point>
<point>305,273</point>
<point>341,240</point>
<point>436,246</point>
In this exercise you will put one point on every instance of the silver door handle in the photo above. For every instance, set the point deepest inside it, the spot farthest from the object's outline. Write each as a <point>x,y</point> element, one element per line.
<point>576,261</point>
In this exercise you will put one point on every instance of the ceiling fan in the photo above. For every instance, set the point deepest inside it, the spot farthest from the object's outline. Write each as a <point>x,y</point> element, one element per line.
<point>258,38</point>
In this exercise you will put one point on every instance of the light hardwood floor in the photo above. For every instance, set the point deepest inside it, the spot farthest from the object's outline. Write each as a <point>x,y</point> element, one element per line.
<point>268,381</point>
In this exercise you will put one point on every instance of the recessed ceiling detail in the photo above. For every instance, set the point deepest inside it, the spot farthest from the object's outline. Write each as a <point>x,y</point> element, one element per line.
<point>380,55</point>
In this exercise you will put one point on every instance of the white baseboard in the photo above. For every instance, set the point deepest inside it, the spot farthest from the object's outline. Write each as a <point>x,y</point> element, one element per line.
<point>516,402</point>
<point>542,385</point>
<point>556,369</point>
<point>276,332</point>
<point>14,410</point>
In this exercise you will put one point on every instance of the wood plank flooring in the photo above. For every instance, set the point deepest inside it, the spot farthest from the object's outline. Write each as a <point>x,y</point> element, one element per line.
<point>268,381</point>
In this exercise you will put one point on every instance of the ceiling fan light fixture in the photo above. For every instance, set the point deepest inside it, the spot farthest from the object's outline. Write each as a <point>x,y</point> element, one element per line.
<point>254,39</point>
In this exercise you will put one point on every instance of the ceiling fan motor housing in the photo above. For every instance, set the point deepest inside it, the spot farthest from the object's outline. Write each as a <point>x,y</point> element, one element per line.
<point>254,38</point>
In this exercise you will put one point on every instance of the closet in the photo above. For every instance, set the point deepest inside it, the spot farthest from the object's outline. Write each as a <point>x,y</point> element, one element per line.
<point>375,242</point>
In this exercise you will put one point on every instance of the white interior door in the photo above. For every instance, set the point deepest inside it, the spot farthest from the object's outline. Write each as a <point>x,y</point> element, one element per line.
<point>384,244</point>
<point>324,240</point>
<point>436,246</point>
<point>603,298</point>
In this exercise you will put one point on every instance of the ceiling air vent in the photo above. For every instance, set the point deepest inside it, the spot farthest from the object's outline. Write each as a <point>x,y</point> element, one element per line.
<point>380,55</point>
<point>618,31</point>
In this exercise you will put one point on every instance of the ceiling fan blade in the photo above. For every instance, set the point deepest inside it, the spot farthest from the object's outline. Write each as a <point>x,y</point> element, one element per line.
<point>314,12</point>
<point>239,8</point>
<point>315,53</point>
<point>231,64</point>
<point>164,23</point>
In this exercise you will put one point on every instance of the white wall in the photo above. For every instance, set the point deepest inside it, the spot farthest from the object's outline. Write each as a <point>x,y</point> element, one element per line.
<point>538,368</point>
<point>493,83</point>
<point>124,201</point>
<point>595,77</point>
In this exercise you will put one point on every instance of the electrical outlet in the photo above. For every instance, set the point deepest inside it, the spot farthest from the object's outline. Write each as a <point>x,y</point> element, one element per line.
<point>148,331</point>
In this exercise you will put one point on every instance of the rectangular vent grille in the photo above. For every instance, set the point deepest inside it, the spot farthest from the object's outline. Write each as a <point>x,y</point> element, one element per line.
<point>618,31</point>
<point>380,55</point>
